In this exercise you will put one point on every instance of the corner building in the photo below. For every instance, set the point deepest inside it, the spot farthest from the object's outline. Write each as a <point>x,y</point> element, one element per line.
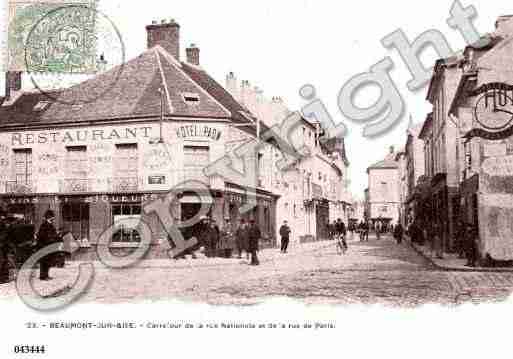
<point>160,122</point>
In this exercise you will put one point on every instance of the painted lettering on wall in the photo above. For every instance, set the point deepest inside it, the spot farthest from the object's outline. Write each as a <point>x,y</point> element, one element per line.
<point>4,159</point>
<point>156,159</point>
<point>48,164</point>
<point>186,131</point>
<point>498,166</point>
<point>74,136</point>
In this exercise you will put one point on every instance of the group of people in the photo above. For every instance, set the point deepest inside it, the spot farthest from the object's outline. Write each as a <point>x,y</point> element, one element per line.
<point>243,237</point>
<point>16,236</point>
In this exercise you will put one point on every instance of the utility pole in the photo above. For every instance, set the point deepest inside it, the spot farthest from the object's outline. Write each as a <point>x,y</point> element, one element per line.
<point>161,92</point>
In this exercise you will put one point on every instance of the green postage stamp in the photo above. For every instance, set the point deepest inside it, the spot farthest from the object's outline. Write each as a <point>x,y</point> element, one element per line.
<point>52,36</point>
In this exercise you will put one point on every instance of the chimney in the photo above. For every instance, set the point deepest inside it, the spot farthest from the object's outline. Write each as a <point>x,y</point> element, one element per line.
<point>231,85</point>
<point>193,53</point>
<point>12,83</point>
<point>165,34</point>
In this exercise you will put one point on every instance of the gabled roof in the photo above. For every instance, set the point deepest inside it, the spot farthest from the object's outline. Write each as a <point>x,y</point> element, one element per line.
<point>131,90</point>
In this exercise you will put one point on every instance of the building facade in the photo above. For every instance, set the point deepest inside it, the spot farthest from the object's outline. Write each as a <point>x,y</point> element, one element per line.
<point>158,126</point>
<point>384,190</point>
<point>482,109</point>
<point>442,148</point>
<point>414,155</point>
<point>314,192</point>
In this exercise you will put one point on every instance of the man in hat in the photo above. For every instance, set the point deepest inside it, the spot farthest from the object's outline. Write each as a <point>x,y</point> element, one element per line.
<point>285,236</point>
<point>47,235</point>
<point>227,240</point>
<point>254,235</point>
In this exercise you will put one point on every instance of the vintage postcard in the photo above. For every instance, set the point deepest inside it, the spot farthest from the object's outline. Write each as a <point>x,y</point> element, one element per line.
<point>234,173</point>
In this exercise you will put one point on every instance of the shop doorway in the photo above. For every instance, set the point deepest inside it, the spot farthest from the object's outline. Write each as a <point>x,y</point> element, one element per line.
<point>188,211</point>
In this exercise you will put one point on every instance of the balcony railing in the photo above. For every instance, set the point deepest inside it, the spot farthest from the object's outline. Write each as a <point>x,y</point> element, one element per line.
<point>18,188</point>
<point>75,185</point>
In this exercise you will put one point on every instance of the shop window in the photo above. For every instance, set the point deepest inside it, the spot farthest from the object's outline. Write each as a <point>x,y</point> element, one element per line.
<point>126,233</point>
<point>75,219</point>
<point>23,166</point>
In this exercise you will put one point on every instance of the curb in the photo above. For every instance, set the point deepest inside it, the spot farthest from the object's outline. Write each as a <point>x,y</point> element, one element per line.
<point>455,269</point>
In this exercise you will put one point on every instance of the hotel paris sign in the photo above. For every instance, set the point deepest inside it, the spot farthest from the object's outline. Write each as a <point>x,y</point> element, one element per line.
<point>493,111</point>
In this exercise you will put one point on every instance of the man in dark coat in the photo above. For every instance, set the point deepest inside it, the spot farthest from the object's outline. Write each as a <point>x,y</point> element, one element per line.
<point>47,235</point>
<point>211,239</point>
<point>365,231</point>
<point>471,245</point>
<point>398,233</point>
<point>241,238</point>
<point>254,235</point>
<point>285,236</point>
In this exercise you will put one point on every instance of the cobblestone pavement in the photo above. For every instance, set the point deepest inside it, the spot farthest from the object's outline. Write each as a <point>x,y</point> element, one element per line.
<point>370,272</point>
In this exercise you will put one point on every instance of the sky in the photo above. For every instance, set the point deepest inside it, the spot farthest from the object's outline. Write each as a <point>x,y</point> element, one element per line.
<point>281,45</point>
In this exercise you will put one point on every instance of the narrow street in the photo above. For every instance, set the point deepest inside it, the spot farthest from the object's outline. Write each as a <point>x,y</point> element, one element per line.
<point>371,272</point>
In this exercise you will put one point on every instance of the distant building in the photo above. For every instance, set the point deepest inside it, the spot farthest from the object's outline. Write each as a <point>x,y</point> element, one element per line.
<point>383,190</point>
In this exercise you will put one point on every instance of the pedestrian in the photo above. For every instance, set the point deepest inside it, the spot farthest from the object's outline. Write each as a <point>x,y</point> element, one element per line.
<point>398,233</point>
<point>241,238</point>
<point>211,239</point>
<point>436,241</point>
<point>459,240</point>
<point>341,235</point>
<point>285,236</point>
<point>254,235</point>
<point>227,239</point>
<point>365,231</point>
<point>471,245</point>
<point>47,235</point>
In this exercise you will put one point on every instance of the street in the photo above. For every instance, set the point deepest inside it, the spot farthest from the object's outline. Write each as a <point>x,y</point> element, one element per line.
<point>371,272</point>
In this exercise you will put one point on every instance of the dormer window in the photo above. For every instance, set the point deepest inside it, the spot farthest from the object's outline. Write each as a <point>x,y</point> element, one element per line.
<point>41,105</point>
<point>191,98</point>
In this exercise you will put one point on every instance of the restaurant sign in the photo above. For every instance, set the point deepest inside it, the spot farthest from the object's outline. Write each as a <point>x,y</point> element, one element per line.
<point>493,111</point>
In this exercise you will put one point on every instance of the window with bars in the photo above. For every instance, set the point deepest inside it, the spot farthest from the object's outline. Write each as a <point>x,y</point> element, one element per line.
<point>23,166</point>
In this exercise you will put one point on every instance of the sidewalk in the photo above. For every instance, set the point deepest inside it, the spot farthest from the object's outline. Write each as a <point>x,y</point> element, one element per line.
<point>451,262</point>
